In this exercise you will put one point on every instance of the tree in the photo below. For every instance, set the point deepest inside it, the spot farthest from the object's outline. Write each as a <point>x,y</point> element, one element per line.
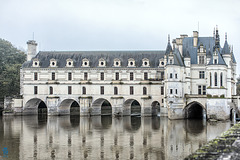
<point>11,60</point>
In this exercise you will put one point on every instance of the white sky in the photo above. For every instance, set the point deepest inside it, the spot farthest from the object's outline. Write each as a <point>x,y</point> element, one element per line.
<point>116,24</point>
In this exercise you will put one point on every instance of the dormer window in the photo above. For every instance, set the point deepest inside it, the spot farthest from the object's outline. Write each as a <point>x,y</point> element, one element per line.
<point>131,62</point>
<point>85,62</point>
<point>161,63</point>
<point>35,63</point>
<point>215,61</point>
<point>102,63</point>
<point>145,62</point>
<point>170,61</point>
<point>117,62</point>
<point>69,63</point>
<point>53,63</point>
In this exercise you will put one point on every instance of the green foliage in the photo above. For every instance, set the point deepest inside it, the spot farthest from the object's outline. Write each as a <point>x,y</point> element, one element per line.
<point>238,86</point>
<point>11,60</point>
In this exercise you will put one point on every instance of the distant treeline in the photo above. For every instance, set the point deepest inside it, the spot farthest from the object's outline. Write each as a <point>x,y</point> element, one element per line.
<point>11,59</point>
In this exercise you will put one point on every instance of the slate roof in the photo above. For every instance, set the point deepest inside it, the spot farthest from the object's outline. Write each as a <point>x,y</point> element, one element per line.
<point>188,48</point>
<point>220,60</point>
<point>94,56</point>
<point>226,49</point>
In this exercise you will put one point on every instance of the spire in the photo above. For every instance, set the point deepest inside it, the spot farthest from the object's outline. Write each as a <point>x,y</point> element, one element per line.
<point>225,36</point>
<point>169,47</point>
<point>214,32</point>
<point>217,40</point>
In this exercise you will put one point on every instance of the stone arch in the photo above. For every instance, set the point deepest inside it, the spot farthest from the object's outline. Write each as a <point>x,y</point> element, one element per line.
<point>155,108</point>
<point>66,106</point>
<point>194,110</point>
<point>233,114</point>
<point>131,107</point>
<point>35,106</point>
<point>101,106</point>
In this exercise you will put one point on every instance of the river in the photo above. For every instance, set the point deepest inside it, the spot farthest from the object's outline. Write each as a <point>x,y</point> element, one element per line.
<point>103,137</point>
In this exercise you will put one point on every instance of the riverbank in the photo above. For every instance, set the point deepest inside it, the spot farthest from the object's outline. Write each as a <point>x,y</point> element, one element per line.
<point>226,146</point>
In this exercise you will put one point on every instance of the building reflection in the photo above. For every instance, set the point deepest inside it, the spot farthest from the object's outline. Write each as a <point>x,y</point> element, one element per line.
<point>104,137</point>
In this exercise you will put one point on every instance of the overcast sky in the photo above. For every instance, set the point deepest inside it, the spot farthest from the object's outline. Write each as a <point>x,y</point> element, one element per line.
<point>116,24</point>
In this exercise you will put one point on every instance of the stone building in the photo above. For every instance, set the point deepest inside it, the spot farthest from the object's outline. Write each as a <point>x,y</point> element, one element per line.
<point>193,77</point>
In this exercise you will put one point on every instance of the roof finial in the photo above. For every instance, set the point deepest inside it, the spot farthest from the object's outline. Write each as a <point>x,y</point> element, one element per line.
<point>214,32</point>
<point>168,38</point>
<point>226,36</point>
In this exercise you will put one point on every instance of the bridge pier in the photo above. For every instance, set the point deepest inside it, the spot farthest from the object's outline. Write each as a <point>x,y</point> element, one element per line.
<point>85,106</point>
<point>52,105</point>
<point>118,108</point>
<point>146,107</point>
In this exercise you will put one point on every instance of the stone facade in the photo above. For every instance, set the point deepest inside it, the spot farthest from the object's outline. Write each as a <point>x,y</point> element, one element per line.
<point>192,73</point>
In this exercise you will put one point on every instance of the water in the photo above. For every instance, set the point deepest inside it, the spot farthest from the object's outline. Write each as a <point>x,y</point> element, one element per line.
<point>74,137</point>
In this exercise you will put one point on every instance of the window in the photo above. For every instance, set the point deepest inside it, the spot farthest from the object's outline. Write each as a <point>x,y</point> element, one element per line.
<point>201,74</point>
<point>102,76</point>
<point>35,76</point>
<point>115,91</point>
<point>117,76</point>
<point>162,90</point>
<point>171,91</point>
<point>170,75</point>
<point>53,76</point>
<point>131,76</point>
<point>215,77</point>
<point>69,62</point>
<point>176,75</point>
<point>50,90</point>
<point>204,90</point>
<point>210,79</point>
<point>175,91</point>
<point>85,76</point>
<point>131,62</point>
<point>201,59</point>
<point>162,100</point>
<point>170,61</point>
<point>145,62</point>
<point>69,89</point>
<point>85,62</point>
<point>35,90</point>
<point>162,75</point>
<point>144,91</point>
<point>199,90</point>
<point>83,90</point>
<point>69,76</point>
<point>102,62</point>
<point>117,62</point>
<point>215,61</point>
<point>221,79</point>
<point>53,63</point>
<point>101,89</point>
<point>131,90</point>
<point>145,76</point>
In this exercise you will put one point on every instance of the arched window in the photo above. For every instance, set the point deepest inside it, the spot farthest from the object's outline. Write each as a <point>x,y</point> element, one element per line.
<point>50,90</point>
<point>144,91</point>
<point>210,79</point>
<point>215,77</point>
<point>221,79</point>
<point>115,91</point>
<point>83,90</point>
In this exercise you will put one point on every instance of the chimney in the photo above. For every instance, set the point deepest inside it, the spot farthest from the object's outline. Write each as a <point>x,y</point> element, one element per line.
<point>195,38</point>
<point>32,49</point>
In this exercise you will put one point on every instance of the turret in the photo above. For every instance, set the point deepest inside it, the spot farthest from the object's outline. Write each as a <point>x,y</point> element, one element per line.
<point>32,49</point>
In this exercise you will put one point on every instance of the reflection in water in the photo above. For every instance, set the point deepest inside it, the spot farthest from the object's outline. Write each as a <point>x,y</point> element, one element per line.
<point>104,137</point>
